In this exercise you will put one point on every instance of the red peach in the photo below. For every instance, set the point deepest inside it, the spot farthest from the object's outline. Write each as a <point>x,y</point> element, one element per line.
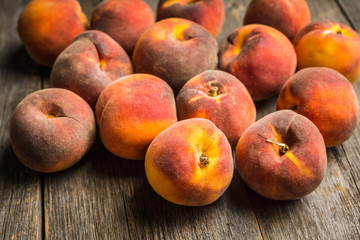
<point>88,64</point>
<point>190,163</point>
<point>261,57</point>
<point>123,20</point>
<point>132,111</point>
<point>52,129</point>
<point>289,17</point>
<point>47,27</point>
<point>329,44</point>
<point>208,13</point>
<point>175,50</point>
<point>327,98</point>
<point>219,97</point>
<point>282,156</point>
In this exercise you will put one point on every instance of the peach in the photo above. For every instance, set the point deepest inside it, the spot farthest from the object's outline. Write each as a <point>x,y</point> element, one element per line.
<point>123,20</point>
<point>52,129</point>
<point>261,57</point>
<point>286,16</point>
<point>327,98</point>
<point>329,44</point>
<point>219,97</point>
<point>190,163</point>
<point>132,111</point>
<point>282,156</point>
<point>208,13</point>
<point>47,27</point>
<point>89,64</point>
<point>175,50</point>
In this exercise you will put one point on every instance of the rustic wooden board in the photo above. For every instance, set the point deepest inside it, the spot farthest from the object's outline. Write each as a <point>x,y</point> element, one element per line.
<point>351,9</point>
<point>105,197</point>
<point>20,187</point>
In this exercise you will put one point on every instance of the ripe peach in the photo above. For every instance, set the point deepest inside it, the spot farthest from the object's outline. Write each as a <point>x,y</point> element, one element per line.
<point>89,63</point>
<point>47,27</point>
<point>190,163</point>
<point>208,13</point>
<point>282,156</point>
<point>327,98</point>
<point>123,20</point>
<point>175,50</point>
<point>286,16</point>
<point>329,44</point>
<point>131,111</point>
<point>52,129</point>
<point>219,97</point>
<point>261,57</point>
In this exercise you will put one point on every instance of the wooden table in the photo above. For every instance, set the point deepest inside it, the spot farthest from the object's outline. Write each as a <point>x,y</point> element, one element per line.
<point>104,197</point>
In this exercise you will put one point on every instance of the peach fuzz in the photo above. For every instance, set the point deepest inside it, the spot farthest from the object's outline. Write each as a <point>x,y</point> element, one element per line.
<point>123,20</point>
<point>47,27</point>
<point>289,17</point>
<point>282,172</point>
<point>208,13</point>
<point>327,98</point>
<point>329,44</point>
<point>219,97</point>
<point>175,50</point>
<point>190,163</point>
<point>89,64</point>
<point>261,57</point>
<point>52,129</point>
<point>131,111</point>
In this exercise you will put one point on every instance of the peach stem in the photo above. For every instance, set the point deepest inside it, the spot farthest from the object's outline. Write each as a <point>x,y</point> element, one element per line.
<point>204,160</point>
<point>213,91</point>
<point>283,148</point>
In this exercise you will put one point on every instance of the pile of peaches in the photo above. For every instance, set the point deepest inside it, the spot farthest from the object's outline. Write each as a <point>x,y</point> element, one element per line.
<point>166,92</point>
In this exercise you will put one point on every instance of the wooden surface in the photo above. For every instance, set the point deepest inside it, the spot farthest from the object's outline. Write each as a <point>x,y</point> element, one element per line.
<point>104,197</point>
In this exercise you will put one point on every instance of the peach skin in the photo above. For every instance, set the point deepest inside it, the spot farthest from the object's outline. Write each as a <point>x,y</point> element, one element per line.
<point>131,111</point>
<point>89,64</point>
<point>52,129</point>
<point>175,50</point>
<point>289,17</point>
<point>329,44</point>
<point>208,13</point>
<point>47,27</point>
<point>123,20</point>
<point>261,57</point>
<point>282,156</point>
<point>327,98</point>
<point>190,163</point>
<point>219,97</point>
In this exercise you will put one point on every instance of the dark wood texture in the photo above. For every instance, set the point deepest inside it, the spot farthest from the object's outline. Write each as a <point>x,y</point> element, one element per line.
<point>104,197</point>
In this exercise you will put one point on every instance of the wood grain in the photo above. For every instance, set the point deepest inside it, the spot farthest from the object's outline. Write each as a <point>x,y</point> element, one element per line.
<point>105,197</point>
<point>20,188</point>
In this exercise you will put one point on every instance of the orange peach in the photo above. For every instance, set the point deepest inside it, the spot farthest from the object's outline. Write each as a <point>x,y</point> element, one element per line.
<point>286,16</point>
<point>329,44</point>
<point>175,50</point>
<point>208,13</point>
<point>47,27</point>
<point>88,64</point>
<point>219,97</point>
<point>123,20</point>
<point>132,111</point>
<point>282,156</point>
<point>52,129</point>
<point>190,163</point>
<point>327,98</point>
<point>261,57</point>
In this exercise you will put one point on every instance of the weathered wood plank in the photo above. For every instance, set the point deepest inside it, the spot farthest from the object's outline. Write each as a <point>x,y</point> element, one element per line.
<point>351,9</point>
<point>20,187</point>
